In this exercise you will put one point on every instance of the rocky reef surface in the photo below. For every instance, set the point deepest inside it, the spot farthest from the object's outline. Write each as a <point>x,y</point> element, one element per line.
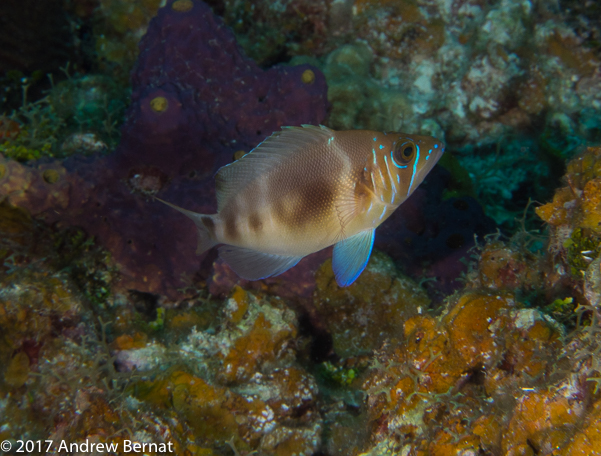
<point>475,328</point>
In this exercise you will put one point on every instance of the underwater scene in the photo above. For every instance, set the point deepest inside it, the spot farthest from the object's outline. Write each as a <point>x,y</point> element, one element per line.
<point>407,263</point>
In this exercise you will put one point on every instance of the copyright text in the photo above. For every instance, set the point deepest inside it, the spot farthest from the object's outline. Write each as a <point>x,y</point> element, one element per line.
<point>127,446</point>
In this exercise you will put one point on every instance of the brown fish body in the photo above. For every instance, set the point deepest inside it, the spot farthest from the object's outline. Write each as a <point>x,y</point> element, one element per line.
<point>304,189</point>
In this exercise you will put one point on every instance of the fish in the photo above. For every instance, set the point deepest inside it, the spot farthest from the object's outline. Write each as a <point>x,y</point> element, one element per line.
<point>306,188</point>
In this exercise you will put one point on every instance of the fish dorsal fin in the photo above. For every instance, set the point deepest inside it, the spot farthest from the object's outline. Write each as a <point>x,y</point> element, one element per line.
<point>252,265</point>
<point>351,256</point>
<point>232,178</point>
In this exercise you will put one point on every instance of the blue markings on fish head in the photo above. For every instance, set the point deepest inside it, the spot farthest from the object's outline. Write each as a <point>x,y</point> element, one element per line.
<point>412,158</point>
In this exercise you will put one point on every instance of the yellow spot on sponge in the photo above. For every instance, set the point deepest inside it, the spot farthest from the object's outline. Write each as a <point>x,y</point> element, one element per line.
<point>159,104</point>
<point>239,154</point>
<point>51,176</point>
<point>182,6</point>
<point>308,77</point>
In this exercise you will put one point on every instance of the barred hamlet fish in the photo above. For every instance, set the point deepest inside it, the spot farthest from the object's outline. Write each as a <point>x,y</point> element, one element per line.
<point>306,188</point>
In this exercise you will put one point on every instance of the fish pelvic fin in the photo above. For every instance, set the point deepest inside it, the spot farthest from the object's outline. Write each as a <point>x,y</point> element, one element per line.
<point>350,257</point>
<point>205,226</point>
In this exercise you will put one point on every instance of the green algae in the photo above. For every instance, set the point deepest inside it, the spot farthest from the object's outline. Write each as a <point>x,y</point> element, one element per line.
<point>338,375</point>
<point>582,247</point>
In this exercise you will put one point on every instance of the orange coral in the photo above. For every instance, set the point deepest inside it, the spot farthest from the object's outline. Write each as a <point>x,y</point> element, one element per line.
<point>203,405</point>
<point>127,342</point>
<point>591,206</point>
<point>257,347</point>
<point>531,345</point>
<point>435,356</point>
<point>579,204</point>
<point>488,428</point>
<point>407,31</point>
<point>568,49</point>
<point>506,267</point>
<point>238,305</point>
<point>557,212</point>
<point>425,379</point>
<point>584,167</point>
<point>542,421</point>
<point>453,441</point>
<point>356,323</point>
<point>474,325</point>
<point>531,94</point>
<point>587,440</point>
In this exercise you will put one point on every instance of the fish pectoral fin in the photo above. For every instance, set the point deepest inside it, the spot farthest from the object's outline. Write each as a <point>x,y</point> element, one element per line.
<point>347,210</point>
<point>351,256</point>
<point>349,205</point>
<point>252,265</point>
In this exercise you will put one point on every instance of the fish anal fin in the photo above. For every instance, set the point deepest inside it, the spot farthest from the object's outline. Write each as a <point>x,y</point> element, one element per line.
<point>351,256</point>
<point>252,265</point>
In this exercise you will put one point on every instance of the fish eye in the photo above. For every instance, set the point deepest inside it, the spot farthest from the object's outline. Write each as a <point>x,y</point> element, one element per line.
<point>404,152</point>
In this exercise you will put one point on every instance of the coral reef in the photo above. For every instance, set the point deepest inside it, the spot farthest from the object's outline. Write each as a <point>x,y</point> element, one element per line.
<point>271,32</point>
<point>355,325</point>
<point>246,389</point>
<point>236,106</point>
<point>103,372</point>
<point>117,29</point>
<point>486,374</point>
<point>488,65</point>
<point>112,330</point>
<point>502,68</point>
<point>79,116</point>
<point>204,127</point>
<point>574,217</point>
<point>578,205</point>
<point>510,87</point>
<point>482,377</point>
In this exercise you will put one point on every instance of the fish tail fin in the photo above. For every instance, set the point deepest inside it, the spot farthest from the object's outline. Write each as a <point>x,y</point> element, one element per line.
<point>205,225</point>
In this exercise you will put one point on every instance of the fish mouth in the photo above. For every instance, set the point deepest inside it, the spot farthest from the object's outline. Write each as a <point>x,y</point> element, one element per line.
<point>431,159</point>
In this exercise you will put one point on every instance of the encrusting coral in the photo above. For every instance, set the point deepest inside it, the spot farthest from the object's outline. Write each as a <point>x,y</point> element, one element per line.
<point>357,326</point>
<point>115,331</point>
